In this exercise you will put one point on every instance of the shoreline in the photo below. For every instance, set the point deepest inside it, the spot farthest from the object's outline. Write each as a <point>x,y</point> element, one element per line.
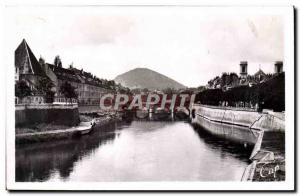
<point>244,117</point>
<point>263,161</point>
<point>59,134</point>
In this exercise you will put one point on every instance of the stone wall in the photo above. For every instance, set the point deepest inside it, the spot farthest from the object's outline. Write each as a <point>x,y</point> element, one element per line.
<point>47,113</point>
<point>227,131</point>
<point>267,120</point>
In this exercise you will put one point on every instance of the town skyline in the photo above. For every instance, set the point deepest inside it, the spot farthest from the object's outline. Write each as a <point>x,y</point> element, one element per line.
<point>108,45</point>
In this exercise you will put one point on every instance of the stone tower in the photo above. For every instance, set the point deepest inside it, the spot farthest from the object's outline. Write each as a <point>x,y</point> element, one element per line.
<point>243,69</point>
<point>278,66</point>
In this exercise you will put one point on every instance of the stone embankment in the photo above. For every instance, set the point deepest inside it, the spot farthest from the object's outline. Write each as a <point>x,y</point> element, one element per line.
<point>266,165</point>
<point>57,114</point>
<point>30,136</point>
<point>266,120</point>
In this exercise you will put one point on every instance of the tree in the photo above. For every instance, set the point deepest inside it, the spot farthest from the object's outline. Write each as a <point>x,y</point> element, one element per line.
<point>169,91</point>
<point>111,83</point>
<point>200,88</point>
<point>145,90</point>
<point>22,89</point>
<point>57,61</point>
<point>136,91</point>
<point>68,91</point>
<point>45,87</point>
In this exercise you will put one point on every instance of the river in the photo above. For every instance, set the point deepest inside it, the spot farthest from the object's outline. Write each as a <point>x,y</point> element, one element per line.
<point>135,151</point>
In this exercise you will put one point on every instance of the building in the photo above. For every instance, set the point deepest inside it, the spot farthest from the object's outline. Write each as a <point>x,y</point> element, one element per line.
<point>228,81</point>
<point>278,66</point>
<point>89,88</point>
<point>29,70</point>
<point>27,67</point>
<point>259,76</point>
<point>243,69</point>
<point>49,72</point>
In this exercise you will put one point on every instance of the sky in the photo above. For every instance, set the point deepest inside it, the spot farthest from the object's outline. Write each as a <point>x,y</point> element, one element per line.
<point>188,44</point>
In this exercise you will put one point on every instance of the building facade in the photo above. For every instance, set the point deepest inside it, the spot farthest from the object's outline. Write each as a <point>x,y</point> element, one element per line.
<point>89,88</point>
<point>28,70</point>
<point>231,80</point>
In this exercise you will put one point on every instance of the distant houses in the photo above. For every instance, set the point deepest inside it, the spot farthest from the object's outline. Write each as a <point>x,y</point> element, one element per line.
<point>257,92</point>
<point>31,71</point>
<point>231,80</point>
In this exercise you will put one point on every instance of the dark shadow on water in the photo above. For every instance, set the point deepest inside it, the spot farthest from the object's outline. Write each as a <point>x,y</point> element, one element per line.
<point>38,161</point>
<point>237,149</point>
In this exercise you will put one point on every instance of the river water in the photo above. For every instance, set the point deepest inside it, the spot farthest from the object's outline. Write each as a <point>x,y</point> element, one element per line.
<point>135,151</point>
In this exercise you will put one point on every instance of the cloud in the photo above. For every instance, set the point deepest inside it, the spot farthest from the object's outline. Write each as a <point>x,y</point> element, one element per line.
<point>250,38</point>
<point>95,30</point>
<point>187,45</point>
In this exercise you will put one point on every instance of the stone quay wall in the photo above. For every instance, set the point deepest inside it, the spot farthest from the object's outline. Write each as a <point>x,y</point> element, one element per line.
<point>57,114</point>
<point>266,120</point>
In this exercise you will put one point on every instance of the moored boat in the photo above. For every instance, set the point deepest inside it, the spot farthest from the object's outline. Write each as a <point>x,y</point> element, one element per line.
<point>86,127</point>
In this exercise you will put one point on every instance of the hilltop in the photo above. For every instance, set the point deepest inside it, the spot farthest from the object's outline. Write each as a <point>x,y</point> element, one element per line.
<point>147,78</point>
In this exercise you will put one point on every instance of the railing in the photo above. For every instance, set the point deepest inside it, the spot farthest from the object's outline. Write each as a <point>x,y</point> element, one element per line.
<point>46,106</point>
<point>64,100</point>
<point>36,100</point>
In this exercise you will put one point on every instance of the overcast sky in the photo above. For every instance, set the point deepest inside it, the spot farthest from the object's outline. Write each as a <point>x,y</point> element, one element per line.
<point>190,45</point>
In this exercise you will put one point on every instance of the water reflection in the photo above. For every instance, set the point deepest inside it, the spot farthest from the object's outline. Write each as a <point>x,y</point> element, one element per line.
<point>236,148</point>
<point>38,161</point>
<point>134,151</point>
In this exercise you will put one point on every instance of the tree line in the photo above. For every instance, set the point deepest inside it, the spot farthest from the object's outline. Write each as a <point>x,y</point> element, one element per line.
<point>266,95</point>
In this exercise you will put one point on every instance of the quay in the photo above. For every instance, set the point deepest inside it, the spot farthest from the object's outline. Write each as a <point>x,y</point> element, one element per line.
<point>60,134</point>
<point>86,115</point>
<point>245,117</point>
<point>254,126</point>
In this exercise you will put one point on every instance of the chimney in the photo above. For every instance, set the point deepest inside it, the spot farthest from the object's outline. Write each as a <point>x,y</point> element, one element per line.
<point>278,67</point>
<point>243,69</point>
